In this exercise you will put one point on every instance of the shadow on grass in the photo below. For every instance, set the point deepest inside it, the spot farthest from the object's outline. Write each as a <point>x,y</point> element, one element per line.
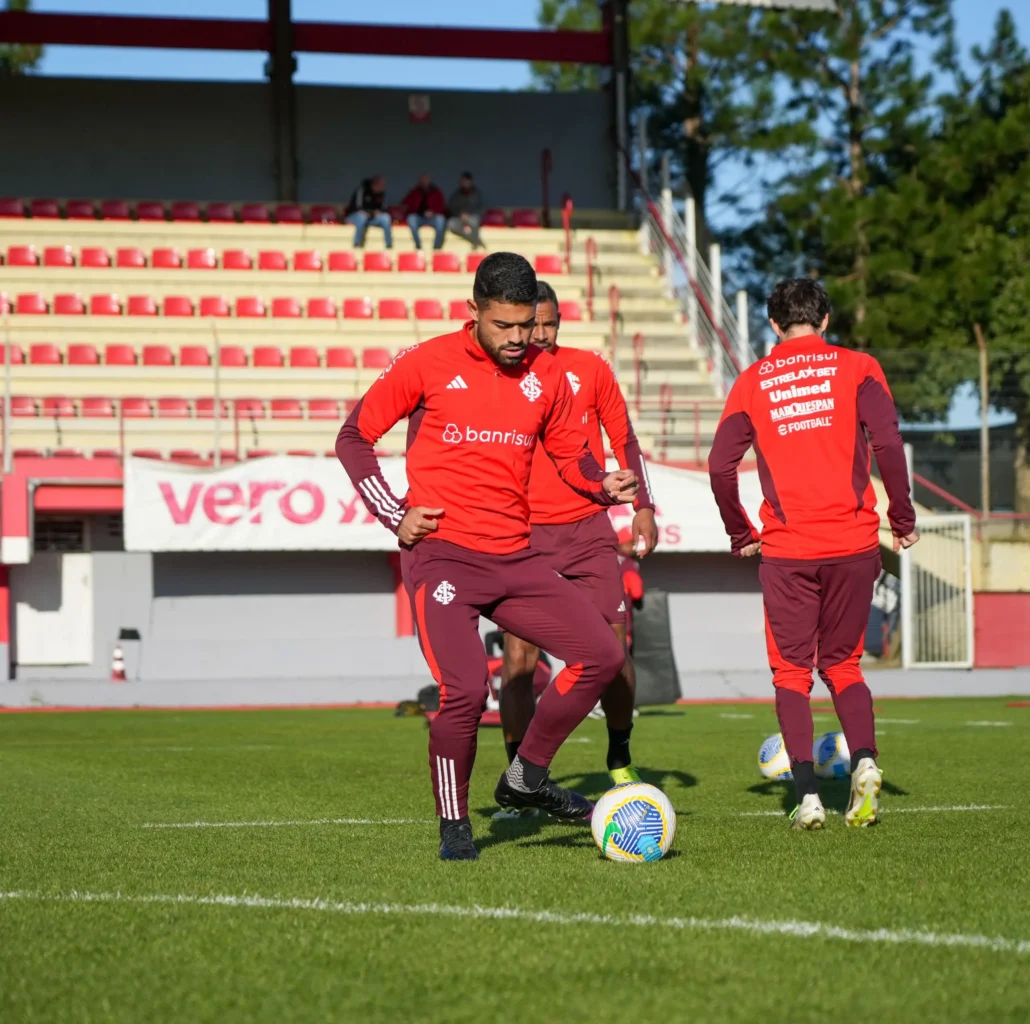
<point>595,784</point>
<point>660,713</point>
<point>835,793</point>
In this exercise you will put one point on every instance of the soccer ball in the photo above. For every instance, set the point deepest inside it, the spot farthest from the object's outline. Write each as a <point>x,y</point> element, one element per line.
<point>773,760</point>
<point>831,756</point>
<point>634,823</point>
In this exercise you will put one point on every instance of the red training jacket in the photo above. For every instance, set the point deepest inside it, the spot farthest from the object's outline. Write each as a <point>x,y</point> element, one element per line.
<point>473,427</point>
<point>597,401</point>
<point>806,409</point>
<point>436,203</point>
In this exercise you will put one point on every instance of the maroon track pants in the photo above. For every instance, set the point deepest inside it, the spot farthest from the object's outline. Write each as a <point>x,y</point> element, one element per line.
<point>816,616</point>
<point>450,587</point>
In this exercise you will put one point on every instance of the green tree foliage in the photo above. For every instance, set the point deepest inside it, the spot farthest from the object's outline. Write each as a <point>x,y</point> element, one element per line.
<point>16,59</point>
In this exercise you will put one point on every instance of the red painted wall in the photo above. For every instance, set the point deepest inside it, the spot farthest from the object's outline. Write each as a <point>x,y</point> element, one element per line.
<point>1002,624</point>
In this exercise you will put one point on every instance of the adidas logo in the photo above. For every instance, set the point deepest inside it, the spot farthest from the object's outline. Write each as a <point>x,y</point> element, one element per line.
<point>458,383</point>
<point>622,607</point>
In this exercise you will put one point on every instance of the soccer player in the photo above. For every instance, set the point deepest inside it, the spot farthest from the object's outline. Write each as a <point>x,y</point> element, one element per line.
<point>807,409</point>
<point>576,537</point>
<point>479,401</point>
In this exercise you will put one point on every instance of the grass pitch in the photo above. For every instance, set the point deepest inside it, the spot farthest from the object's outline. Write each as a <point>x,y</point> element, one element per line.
<point>292,898</point>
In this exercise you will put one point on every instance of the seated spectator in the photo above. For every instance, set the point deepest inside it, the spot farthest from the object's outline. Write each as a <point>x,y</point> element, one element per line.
<point>368,206</point>
<point>426,205</point>
<point>466,210</point>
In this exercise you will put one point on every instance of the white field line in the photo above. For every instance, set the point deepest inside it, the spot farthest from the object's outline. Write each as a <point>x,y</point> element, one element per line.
<point>282,824</point>
<point>897,721</point>
<point>726,714</point>
<point>989,723</point>
<point>890,810</point>
<point>796,929</point>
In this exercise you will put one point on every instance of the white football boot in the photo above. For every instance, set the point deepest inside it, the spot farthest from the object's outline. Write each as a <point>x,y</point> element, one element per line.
<point>864,804</point>
<point>809,814</point>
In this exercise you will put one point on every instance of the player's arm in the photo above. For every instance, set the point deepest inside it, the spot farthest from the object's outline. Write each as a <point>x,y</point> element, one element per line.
<point>878,414</point>
<point>395,395</point>
<point>735,434</point>
<point>567,447</point>
<point>613,413</point>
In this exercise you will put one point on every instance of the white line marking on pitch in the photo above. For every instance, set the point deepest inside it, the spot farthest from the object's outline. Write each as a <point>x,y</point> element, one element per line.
<point>797,929</point>
<point>727,715</point>
<point>988,723</point>
<point>281,824</point>
<point>898,721</point>
<point>891,810</point>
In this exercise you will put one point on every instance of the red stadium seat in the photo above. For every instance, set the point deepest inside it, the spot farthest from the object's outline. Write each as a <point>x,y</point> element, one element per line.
<point>286,307</point>
<point>342,261</point>
<point>95,257</point>
<point>446,263</point>
<point>570,310</point>
<point>549,263</point>
<point>375,358</point>
<point>237,259</point>
<point>56,256</point>
<point>307,259</point>
<point>299,453</point>
<point>494,218</point>
<point>177,305</point>
<point>268,356</point>
<point>173,408</point>
<point>232,356</point>
<point>120,355</point>
<point>166,259</point>
<point>147,453</point>
<point>221,213</point>
<point>67,453</point>
<point>136,408</point>
<point>304,358</point>
<point>201,259</point>
<point>249,408</point>
<point>131,258</point>
<point>213,305</point>
<point>260,453</point>
<point>473,260</point>
<point>253,213</point>
<point>150,209</point>
<point>428,309</point>
<point>321,309</point>
<point>271,259</point>
<point>44,354</point>
<point>115,209</point>
<point>106,453</point>
<point>250,306</point>
<point>286,409</point>
<point>393,309</point>
<point>185,211</point>
<point>80,209</point>
<point>17,356</point>
<point>102,305</point>
<point>140,305</point>
<point>289,213</point>
<point>377,262</point>
<point>157,355</point>
<point>459,309</point>
<point>323,409</point>
<point>44,209</point>
<point>57,405</point>
<point>525,219</point>
<point>82,355</point>
<point>5,303</point>
<point>69,305</point>
<point>183,454</point>
<point>411,262</point>
<point>349,405</point>
<point>22,256</point>
<point>206,408</point>
<point>339,358</point>
<point>30,304</point>
<point>22,405</point>
<point>12,208</point>
<point>194,355</point>
<point>97,408</point>
<point>357,309</point>
<point>318,214</point>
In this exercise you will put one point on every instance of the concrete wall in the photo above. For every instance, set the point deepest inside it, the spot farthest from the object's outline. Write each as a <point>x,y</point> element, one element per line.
<point>199,140</point>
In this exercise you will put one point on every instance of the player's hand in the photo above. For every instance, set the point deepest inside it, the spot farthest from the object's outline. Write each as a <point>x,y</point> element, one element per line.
<point>418,522</point>
<point>749,550</point>
<point>645,533</point>
<point>621,486</point>
<point>905,542</point>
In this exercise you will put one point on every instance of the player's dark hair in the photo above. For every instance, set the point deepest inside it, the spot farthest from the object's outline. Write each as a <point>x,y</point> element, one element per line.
<point>505,277</point>
<point>797,301</point>
<point>545,293</point>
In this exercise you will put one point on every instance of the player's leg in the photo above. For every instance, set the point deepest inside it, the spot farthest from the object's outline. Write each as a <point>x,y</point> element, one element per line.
<point>847,589</point>
<point>517,698</point>
<point>618,702</point>
<point>791,598</point>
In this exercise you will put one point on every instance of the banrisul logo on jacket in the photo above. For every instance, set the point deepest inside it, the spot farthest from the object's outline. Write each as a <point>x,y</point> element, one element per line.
<point>453,434</point>
<point>531,386</point>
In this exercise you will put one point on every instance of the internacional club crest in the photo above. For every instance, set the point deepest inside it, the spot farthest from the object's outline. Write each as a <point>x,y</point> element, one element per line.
<point>531,387</point>
<point>573,382</point>
<point>444,593</point>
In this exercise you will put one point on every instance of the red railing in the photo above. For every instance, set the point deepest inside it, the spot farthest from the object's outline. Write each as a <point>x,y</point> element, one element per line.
<point>613,325</point>
<point>546,166</point>
<point>566,222</point>
<point>590,249</point>
<point>638,359</point>
<point>665,405</point>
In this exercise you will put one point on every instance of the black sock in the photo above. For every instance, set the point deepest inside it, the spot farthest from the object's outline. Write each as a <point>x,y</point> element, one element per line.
<point>511,748</point>
<point>618,748</point>
<point>525,775</point>
<point>804,779</point>
<point>859,754</point>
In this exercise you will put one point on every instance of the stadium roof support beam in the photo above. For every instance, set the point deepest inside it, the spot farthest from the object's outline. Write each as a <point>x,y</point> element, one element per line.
<point>282,65</point>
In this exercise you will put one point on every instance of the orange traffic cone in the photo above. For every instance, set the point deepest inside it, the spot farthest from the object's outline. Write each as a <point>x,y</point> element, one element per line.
<point>118,665</point>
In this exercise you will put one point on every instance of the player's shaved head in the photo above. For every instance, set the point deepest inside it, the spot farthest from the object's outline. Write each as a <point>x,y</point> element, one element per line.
<point>798,303</point>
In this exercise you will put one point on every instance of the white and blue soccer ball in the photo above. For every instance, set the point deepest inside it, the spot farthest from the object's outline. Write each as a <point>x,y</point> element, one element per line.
<point>831,756</point>
<point>773,759</point>
<point>634,823</point>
